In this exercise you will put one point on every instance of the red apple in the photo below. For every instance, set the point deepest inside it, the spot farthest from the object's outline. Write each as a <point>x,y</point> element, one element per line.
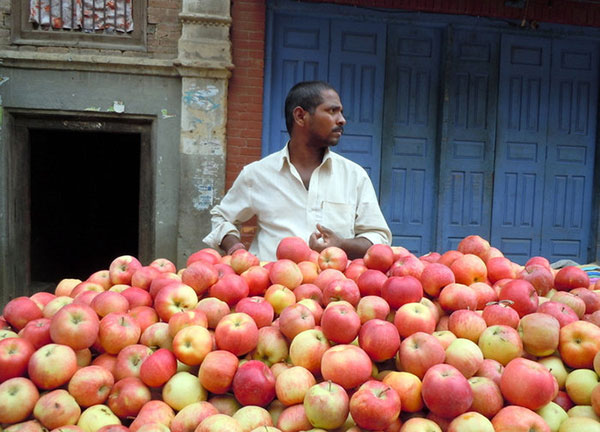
<point>207,254</point>
<point>257,278</point>
<point>295,319</point>
<point>128,396</point>
<point>174,297</point>
<point>230,288</point>
<point>37,331</point>
<point>326,405</point>
<point>371,307</point>
<point>293,248</point>
<point>339,359</point>
<point>446,392</point>
<point>407,265</point>
<point>19,396</point>
<point>379,339</point>
<point>158,368</point>
<point>341,289</point>
<point>118,330</point>
<point>571,277</point>
<point>501,343</point>
<point>457,296</point>
<point>574,302</point>
<point>91,385</point>
<point>130,359</point>
<point>400,290</point>
<point>467,324</point>
<point>436,276</point>
<point>517,418</point>
<point>579,342</point>
<point>500,313</point>
<point>214,309</point>
<point>52,366</point>
<point>308,290</point>
<point>464,355</point>
<point>333,257</point>
<point>474,244</point>
<point>418,353</point>
<point>200,275</point>
<point>292,384</point>
<point>539,276</point>
<point>254,384</point>
<point>285,272</point>
<point>164,265</point>
<point>15,353</point>
<point>539,333</point>
<point>412,318</point>
<point>469,268</point>
<point>217,371</point>
<point>191,344</point>
<point>375,405</point>
<point>19,311</point>
<point>291,418</point>
<point>522,294</point>
<point>487,397</point>
<point>237,333</point>
<point>271,346</point>
<point>122,268</point>
<point>307,349</point>
<point>370,282</point>
<point>340,323</point>
<point>562,312</point>
<point>144,316</point>
<point>379,257</point>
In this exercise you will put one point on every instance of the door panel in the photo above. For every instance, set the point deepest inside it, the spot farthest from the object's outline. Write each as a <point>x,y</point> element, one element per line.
<point>357,70</point>
<point>300,52</point>
<point>410,135</point>
<point>521,146</point>
<point>467,150</point>
<point>571,145</point>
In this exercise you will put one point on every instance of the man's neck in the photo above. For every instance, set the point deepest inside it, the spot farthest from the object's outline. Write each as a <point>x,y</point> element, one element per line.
<point>305,156</point>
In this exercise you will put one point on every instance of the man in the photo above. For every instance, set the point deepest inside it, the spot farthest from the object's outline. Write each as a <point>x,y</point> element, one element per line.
<point>305,189</point>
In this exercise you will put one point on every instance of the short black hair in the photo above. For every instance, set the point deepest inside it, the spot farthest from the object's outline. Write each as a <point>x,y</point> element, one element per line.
<point>305,94</point>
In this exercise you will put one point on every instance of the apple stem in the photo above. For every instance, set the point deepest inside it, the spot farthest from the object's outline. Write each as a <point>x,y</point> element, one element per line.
<point>382,392</point>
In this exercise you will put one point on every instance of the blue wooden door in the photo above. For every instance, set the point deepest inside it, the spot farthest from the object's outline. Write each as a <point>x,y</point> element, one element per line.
<point>300,53</point>
<point>357,70</point>
<point>410,134</point>
<point>469,135</point>
<point>567,203</point>
<point>521,146</point>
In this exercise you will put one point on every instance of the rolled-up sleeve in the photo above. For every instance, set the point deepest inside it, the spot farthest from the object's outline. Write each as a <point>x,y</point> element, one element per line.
<point>370,222</point>
<point>234,209</point>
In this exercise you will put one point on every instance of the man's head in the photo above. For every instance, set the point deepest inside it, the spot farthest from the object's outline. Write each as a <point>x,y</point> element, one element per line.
<point>306,94</point>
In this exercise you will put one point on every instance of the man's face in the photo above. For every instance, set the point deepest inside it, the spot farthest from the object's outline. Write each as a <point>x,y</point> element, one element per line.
<point>326,124</point>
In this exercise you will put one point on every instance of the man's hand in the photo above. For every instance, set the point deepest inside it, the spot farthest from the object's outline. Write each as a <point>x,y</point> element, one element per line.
<point>323,238</point>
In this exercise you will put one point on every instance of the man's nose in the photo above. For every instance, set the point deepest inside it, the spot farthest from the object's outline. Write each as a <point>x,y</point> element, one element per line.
<point>341,120</point>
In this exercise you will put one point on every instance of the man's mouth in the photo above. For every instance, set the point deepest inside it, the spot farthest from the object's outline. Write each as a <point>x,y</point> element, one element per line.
<point>339,130</point>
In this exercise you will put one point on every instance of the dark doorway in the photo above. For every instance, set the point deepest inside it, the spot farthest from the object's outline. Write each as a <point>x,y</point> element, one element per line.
<point>85,201</point>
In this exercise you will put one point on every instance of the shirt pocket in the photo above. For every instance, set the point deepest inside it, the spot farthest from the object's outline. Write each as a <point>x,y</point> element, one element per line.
<point>338,217</point>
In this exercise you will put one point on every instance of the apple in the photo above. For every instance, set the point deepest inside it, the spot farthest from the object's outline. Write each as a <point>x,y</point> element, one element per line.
<point>527,383</point>
<point>576,424</point>
<point>500,268</point>
<point>553,414</point>
<point>375,405</point>
<point>93,418</point>
<point>307,349</point>
<point>15,353</point>
<point>155,411</point>
<point>285,272</point>
<point>214,309</point>
<point>137,297</point>
<point>56,408</point>
<point>81,290</point>
<point>183,389</point>
<point>292,384</point>
<point>436,276</point>
<point>419,424</point>
<point>340,323</point>
<point>514,418</point>
<point>445,337</point>
<point>158,367</point>
<point>37,331</point>
<point>186,318</point>
<point>52,366</point>
<point>217,371</point>
<point>227,403</point>
<point>291,418</point>
<point>207,254</point>
<point>122,268</point>
<point>162,280</point>
<point>470,422</point>
<point>41,298</point>
<point>200,275</point>
<point>65,286</point>
<point>315,309</point>
<point>406,265</point>
<point>341,289</point>
<point>174,297</point>
<point>418,353</point>
<point>408,388</point>
<point>446,392</point>
<point>485,294</point>
<point>562,312</point>
<point>414,317</point>
<point>457,296</point>
<point>595,399</point>
<point>100,277</point>
<point>191,344</point>
<point>219,423</point>
<point>579,342</point>
<point>128,396</point>
<point>539,333</point>
<point>574,302</point>
<point>254,384</point>
<point>326,276</point>
<point>571,277</point>
<point>237,332</point>
<point>379,257</point>
<point>370,282</point>
<point>308,290</point>
<point>130,359</point>
<point>19,396</point>
<point>326,405</point>
<point>251,417</point>
<point>464,355</point>
<point>143,277</point>
<point>491,369</point>
<point>474,244</point>
<point>469,268</point>
<point>257,278</point>
<point>109,301</point>
<point>91,385</point>
<point>557,368</point>
<point>579,385</point>
<point>280,297</point>
<point>379,339</point>
<point>230,288</point>
<point>271,346</point>
<point>295,319</point>
<point>339,359</point>
<point>589,297</point>
<point>293,248</point>
<point>242,260</point>
<point>310,271</point>
<point>372,307</point>
<point>539,276</point>
<point>332,257</point>
<point>163,265</point>
<point>157,336</point>
<point>487,397</point>
<point>500,313</point>
<point>19,311</point>
<point>467,324</point>
<point>118,330</point>
<point>501,343</point>
<point>400,290</point>
<point>55,305</point>
<point>190,416</point>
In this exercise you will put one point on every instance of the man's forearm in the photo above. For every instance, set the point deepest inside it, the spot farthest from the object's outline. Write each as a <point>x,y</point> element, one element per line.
<point>230,244</point>
<point>356,247</point>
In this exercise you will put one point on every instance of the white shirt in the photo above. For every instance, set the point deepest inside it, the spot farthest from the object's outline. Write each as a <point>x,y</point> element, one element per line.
<point>340,197</point>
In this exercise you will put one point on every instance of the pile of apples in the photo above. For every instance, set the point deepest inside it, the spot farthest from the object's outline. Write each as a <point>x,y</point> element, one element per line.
<point>464,341</point>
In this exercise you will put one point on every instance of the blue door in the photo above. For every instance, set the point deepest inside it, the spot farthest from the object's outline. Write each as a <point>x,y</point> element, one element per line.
<point>410,135</point>
<point>469,140</point>
<point>568,192</point>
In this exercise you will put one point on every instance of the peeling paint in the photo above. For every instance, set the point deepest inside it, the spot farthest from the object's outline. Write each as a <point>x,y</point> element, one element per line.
<point>165,114</point>
<point>3,80</point>
<point>204,198</point>
<point>201,98</point>
<point>196,146</point>
<point>117,106</point>
<point>92,108</point>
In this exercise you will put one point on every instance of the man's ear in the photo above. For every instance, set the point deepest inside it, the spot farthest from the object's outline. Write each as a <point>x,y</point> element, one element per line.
<point>299,115</point>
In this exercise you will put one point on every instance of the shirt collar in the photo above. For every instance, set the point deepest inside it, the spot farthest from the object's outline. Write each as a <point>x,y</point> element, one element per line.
<point>284,156</point>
